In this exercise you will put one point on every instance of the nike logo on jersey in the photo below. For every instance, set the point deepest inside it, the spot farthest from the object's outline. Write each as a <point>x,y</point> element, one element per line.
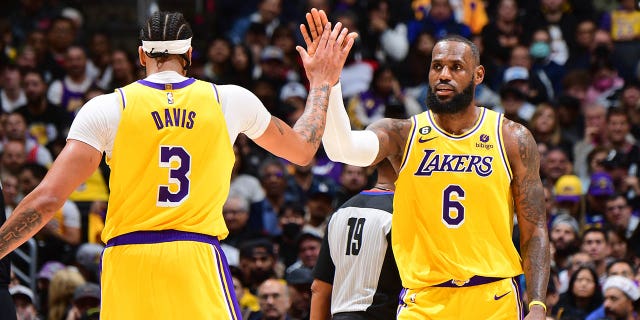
<point>496,297</point>
<point>425,140</point>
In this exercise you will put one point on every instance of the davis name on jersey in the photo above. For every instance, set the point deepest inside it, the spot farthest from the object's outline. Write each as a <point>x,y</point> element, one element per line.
<point>174,117</point>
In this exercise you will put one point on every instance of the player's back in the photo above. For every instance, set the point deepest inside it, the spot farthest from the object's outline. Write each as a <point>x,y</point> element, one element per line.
<point>171,161</point>
<point>365,277</point>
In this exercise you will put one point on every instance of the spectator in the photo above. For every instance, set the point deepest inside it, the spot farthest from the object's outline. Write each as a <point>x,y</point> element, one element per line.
<point>46,122</point>
<point>630,102</point>
<point>302,182</point>
<point>352,180</point>
<point>559,22</point>
<point>266,15</point>
<point>242,66</point>
<point>619,215</point>
<point>384,96</point>
<point>299,287</point>
<point>565,237</point>
<point>60,37</point>
<point>275,301</point>
<point>594,136</point>
<point>24,301</point>
<point>16,129</point>
<point>596,243</point>
<point>61,291</point>
<point>605,85</point>
<point>87,259</point>
<point>581,55</point>
<point>568,191</point>
<point>438,20</point>
<point>99,65</point>
<point>620,297</point>
<point>235,212</point>
<point>584,295</point>
<point>502,34</point>
<point>68,92</point>
<point>291,220</point>
<point>124,69</point>
<point>308,244</point>
<point>548,70</point>
<point>248,302</point>
<point>257,262</point>
<point>274,181</point>
<point>11,94</point>
<point>13,158</point>
<point>43,281</point>
<point>385,37</point>
<point>556,164</point>
<point>58,238</point>
<point>217,67</point>
<point>619,245</point>
<point>319,207</point>
<point>86,298</point>
<point>294,96</point>
<point>284,39</point>
<point>600,188</point>
<point>545,127</point>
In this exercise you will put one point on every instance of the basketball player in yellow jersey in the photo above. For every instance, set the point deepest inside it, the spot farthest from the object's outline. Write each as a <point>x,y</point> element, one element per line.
<point>168,141</point>
<point>462,171</point>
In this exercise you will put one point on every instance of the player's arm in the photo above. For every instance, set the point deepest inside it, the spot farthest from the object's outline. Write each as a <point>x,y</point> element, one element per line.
<point>74,165</point>
<point>320,300</point>
<point>528,195</point>
<point>300,143</point>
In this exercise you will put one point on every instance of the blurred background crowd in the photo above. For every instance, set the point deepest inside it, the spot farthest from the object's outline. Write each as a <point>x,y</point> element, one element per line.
<point>567,69</point>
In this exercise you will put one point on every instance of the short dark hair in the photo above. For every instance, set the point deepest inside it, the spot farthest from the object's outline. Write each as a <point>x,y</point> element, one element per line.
<point>475,52</point>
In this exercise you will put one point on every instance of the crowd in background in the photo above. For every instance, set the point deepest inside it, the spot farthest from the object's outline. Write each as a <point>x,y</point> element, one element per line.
<point>569,70</point>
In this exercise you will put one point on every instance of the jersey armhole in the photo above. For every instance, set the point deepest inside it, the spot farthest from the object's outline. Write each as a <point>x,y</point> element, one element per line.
<point>503,151</point>
<point>408,143</point>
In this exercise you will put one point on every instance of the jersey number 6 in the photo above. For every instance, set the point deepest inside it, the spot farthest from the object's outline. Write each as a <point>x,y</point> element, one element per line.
<point>452,208</point>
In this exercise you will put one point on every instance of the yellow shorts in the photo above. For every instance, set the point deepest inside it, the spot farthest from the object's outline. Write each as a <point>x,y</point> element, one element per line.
<point>166,275</point>
<point>495,300</point>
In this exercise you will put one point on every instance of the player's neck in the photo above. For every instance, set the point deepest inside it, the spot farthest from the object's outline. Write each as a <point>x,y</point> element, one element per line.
<point>169,65</point>
<point>458,123</point>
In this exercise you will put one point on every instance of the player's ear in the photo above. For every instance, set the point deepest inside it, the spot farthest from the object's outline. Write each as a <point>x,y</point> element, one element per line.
<point>142,57</point>
<point>479,74</point>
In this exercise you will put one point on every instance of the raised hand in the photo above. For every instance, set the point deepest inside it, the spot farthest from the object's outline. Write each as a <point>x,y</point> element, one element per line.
<point>331,51</point>
<point>317,19</point>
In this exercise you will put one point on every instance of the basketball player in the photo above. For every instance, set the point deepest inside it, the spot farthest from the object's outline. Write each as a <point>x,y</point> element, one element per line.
<point>168,140</point>
<point>356,256</point>
<point>462,171</point>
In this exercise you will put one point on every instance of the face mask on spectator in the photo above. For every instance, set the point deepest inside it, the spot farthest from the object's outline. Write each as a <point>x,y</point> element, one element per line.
<point>603,83</point>
<point>540,50</point>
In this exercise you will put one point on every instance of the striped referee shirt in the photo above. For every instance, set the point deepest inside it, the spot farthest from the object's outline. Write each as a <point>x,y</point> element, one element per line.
<point>356,257</point>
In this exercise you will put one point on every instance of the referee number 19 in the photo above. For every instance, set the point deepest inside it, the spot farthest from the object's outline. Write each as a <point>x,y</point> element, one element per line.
<point>354,236</point>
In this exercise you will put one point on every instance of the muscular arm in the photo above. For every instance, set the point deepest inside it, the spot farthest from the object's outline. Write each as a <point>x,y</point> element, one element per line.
<point>300,143</point>
<point>75,164</point>
<point>528,195</point>
<point>320,300</point>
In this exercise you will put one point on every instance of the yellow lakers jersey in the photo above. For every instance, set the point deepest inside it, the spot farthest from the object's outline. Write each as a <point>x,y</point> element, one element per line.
<point>453,208</point>
<point>171,160</point>
<point>625,25</point>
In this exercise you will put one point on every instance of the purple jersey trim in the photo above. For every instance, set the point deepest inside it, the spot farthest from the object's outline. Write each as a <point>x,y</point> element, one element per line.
<point>163,86</point>
<point>474,281</point>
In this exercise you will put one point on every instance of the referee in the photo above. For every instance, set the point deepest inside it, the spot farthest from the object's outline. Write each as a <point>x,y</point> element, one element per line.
<point>356,255</point>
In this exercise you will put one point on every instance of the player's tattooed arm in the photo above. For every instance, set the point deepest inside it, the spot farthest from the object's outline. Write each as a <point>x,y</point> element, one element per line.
<point>311,124</point>
<point>393,135</point>
<point>528,195</point>
<point>14,231</point>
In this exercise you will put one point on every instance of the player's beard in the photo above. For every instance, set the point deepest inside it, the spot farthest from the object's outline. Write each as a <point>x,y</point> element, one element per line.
<point>457,103</point>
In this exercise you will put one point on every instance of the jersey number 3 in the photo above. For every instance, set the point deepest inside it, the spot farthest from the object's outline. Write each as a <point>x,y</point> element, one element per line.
<point>452,208</point>
<point>178,160</point>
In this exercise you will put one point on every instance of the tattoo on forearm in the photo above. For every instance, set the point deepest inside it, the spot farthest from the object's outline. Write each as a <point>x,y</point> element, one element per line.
<point>18,229</point>
<point>397,131</point>
<point>537,273</point>
<point>311,123</point>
